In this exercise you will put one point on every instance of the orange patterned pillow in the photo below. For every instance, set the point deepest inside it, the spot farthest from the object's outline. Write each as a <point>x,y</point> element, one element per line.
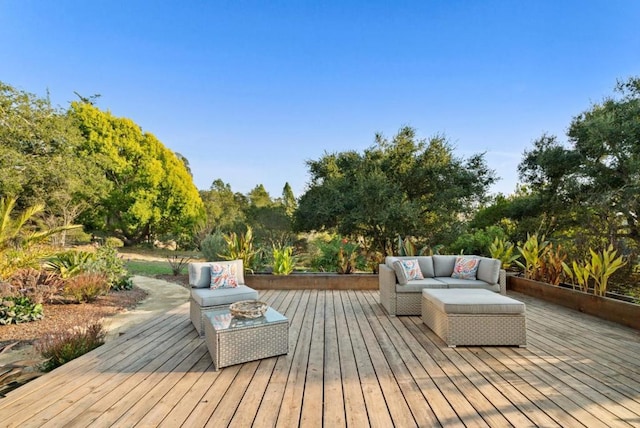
<point>465,268</point>
<point>223,276</point>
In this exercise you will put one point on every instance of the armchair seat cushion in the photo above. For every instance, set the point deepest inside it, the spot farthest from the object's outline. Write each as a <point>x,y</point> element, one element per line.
<point>222,296</point>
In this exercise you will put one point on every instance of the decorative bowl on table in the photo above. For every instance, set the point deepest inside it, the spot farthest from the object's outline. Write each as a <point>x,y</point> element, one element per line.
<point>248,309</point>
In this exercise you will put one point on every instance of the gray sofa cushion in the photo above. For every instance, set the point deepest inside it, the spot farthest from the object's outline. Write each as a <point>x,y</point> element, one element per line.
<point>426,266</point>
<point>222,296</point>
<point>473,302</point>
<point>488,270</point>
<point>468,283</point>
<point>200,273</point>
<point>417,285</point>
<point>443,265</point>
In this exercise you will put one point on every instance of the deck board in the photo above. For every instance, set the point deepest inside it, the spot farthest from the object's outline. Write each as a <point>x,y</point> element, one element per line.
<point>349,364</point>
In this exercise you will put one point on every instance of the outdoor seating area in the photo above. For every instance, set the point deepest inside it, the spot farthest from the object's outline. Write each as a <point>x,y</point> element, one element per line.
<point>349,363</point>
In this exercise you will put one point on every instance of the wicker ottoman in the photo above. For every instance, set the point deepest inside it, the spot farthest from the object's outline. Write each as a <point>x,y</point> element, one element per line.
<point>474,317</point>
<point>233,341</point>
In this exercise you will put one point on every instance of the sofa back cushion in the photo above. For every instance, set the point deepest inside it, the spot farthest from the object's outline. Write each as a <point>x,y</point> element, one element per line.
<point>200,273</point>
<point>425,263</point>
<point>488,270</point>
<point>443,265</point>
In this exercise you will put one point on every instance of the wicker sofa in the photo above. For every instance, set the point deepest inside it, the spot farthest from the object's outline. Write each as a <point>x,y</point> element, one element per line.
<point>405,299</point>
<point>204,299</point>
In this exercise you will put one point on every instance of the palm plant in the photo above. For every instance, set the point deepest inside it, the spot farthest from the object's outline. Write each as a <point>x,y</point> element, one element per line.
<point>19,231</point>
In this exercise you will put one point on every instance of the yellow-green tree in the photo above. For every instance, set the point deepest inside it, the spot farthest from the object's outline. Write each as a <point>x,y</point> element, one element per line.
<point>153,193</point>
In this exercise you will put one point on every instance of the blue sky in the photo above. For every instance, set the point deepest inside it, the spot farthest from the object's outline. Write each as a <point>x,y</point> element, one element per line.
<point>250,90</point>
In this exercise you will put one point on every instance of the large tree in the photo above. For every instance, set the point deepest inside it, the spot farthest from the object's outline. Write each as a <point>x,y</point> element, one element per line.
<point>153,192</point>
<point>39,158</point>
<point>225,209</point>
<point>403,186</point>
<point>595,179</point>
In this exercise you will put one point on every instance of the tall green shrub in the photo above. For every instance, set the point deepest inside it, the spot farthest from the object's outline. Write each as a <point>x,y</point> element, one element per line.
<point>213,246</point>
<point>503,250</point>
<point>283,260</point>
<point>533,251</point>
<point>240,247</point>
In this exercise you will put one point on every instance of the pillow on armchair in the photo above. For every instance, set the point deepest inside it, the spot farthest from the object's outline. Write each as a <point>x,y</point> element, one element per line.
<point>200,273</point>
<point>223,275</point>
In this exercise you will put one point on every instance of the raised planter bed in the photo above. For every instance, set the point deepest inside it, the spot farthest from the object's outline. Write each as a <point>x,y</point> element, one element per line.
<point>615,310</point>
<point>313,281</point>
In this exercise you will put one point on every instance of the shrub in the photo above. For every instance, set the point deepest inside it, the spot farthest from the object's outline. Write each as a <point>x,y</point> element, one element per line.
<point>38,285</point>
<point>16,310</point>
<point>338,255</point>
<point>283,260</point>
<point>240,247</point>
<point>178,263</point>
<point>12,260</point>
<point>533,252</point>
<point>114,242</point>
<point>109,263</point>
<point>213,246</point>
<point>599,268</point>
<point>70,263</point>
<point>78,237</point>
<point>63,347</point>
<point>87,286</point>
<point>502,250</point>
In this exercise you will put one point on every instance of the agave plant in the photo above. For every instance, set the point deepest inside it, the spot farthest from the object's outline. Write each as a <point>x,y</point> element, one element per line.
<point>70,263</point>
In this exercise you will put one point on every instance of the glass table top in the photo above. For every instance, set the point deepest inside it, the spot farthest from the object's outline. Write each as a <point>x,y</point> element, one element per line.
<point>221,319</point>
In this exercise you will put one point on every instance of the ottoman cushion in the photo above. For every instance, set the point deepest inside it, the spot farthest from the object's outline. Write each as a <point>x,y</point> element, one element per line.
<point>469,301</point>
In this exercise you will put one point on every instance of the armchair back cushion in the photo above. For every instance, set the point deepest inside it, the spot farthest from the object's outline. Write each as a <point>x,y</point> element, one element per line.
<point>200,273</point>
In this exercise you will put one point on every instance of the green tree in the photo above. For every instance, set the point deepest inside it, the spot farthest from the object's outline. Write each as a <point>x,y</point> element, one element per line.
<point>259,197</point>
<point>594,182</point>
<point>269,219</point>
<point>40,160</point>
<point>289,200</point>
<point>403,186</point>
<point>152,193</point>
<point>224,208</point>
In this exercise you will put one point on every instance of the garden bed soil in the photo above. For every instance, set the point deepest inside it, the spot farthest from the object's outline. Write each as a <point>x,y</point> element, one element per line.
<point>64,316</point>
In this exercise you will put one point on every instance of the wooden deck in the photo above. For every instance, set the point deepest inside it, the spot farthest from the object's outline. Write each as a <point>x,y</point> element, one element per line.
<point>349,365</point>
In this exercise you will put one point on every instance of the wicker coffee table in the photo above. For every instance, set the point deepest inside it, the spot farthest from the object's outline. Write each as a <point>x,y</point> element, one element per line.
<point>234,341</point>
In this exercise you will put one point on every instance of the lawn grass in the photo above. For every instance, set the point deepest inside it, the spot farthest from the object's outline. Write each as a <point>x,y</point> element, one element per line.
<point>149,267</point>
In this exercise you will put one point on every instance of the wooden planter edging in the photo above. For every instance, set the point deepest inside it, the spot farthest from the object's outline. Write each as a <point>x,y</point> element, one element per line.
<point>312,281</point>
<point>618,311</point>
